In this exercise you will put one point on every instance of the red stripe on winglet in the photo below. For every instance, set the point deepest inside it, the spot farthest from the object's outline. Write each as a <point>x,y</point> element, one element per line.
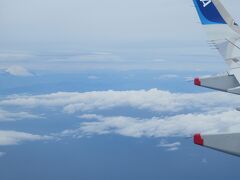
<point>198,139</point>
<point>197,82</point>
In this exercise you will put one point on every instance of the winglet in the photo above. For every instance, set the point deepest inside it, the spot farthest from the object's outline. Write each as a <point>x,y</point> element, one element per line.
<point>208,12</point>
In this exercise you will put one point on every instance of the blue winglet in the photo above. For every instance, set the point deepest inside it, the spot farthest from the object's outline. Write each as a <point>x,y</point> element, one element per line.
<point>208,13</point>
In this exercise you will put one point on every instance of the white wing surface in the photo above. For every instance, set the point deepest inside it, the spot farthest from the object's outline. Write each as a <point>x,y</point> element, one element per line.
<point>224,33</point>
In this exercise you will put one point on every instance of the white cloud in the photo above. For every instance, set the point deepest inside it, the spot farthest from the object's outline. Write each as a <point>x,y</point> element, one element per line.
<point>13,116</point>
<point>153,100</point>
<point>18,71</point>
<point>14,137</point>
<point>186,113</point>
<point>183,125</point>
<point>169,146</point>
<point>90,116</point>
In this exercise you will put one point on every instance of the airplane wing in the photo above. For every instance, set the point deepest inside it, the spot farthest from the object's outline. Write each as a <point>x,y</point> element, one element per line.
<point>227,143</point>
<point>224,34</point>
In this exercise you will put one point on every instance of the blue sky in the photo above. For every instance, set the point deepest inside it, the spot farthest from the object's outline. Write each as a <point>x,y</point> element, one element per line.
<point>90,92</point>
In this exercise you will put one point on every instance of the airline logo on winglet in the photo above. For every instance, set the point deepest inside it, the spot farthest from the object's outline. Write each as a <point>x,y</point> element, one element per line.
<point>206,2</point>
<point>208,12</point>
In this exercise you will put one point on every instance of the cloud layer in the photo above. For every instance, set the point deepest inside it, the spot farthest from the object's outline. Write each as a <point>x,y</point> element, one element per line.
<point>183,125</point>
<point>152,100</point>
<point>175,114</point>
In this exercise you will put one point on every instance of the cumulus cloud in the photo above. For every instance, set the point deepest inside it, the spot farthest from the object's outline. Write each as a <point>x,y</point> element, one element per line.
<point>183,125</point>
<point>180,114</point>
<point>14,137</point>
<point>18,71</point>
<point>152,100</point>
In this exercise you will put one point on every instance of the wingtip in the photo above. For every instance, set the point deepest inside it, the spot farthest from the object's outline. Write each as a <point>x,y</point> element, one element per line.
<point>197,82</point>
<point>198,139</point>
